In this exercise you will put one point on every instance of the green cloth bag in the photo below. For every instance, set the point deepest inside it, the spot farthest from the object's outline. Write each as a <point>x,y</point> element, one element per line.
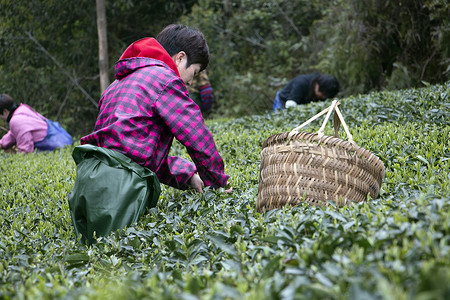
<point>111,191</point>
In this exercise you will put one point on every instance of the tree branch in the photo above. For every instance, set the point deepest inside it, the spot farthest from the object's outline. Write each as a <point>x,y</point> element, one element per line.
<point>287,18</point>
<point>64,102</point>
<point>72,79</point>
<point>239,36</point>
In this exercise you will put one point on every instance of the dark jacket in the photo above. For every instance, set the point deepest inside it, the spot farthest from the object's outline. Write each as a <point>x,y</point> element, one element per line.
<point>299,89</point>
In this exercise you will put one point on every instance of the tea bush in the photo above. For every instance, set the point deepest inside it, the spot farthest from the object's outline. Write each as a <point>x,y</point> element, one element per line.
<point>217,246</point>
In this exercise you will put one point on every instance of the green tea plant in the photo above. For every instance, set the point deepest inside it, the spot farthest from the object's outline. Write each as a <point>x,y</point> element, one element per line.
<point>217,246</point>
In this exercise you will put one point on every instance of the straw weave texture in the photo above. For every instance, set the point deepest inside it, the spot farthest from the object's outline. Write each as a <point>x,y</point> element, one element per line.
<point>316,170</point>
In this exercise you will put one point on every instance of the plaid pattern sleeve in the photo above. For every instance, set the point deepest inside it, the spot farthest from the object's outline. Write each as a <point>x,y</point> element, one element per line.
<point>176,172</point>
<point>184,119</point>
<point>207,97</point>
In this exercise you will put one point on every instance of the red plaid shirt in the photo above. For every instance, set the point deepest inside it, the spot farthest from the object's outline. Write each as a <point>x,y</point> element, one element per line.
<point>140,114</point>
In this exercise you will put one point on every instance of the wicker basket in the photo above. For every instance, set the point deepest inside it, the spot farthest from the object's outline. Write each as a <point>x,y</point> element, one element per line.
<point>314,168</point>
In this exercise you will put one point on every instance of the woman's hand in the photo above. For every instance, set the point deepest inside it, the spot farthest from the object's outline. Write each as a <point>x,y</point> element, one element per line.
<point>228,188</point>
<point>197,183</point>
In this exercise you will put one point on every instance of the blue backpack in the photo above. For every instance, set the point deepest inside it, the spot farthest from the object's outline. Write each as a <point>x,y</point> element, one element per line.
<point>57,137</point>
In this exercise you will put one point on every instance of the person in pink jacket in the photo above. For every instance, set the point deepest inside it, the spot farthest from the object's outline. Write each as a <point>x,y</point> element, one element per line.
<point>29,130</point>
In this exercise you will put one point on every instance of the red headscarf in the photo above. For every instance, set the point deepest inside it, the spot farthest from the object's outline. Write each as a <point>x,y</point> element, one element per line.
<point>149,47</point>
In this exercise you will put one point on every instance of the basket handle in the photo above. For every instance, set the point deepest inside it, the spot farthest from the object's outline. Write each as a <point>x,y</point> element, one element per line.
<point>338,119</point>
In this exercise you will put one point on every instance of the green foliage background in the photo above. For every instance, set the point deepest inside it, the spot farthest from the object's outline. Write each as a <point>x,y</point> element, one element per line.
<point>216,246</point>
<point>256,46</point>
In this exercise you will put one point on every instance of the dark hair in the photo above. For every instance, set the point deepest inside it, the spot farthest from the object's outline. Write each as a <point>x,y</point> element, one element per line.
<point>176,37</point>
<point>6,102</point>
<point>328,85</point>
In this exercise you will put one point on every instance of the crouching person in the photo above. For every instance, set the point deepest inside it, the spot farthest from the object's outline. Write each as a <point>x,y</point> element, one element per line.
<point>121,164</point>
<point>29,130</point>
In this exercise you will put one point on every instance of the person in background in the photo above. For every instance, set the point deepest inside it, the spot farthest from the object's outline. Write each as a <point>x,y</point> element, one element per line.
<point>306,88</point>
<point>121,164</point>
<point>29,130</point>
<point>201,92</point>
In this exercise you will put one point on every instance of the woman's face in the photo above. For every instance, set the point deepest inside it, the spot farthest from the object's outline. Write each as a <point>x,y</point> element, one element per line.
<point>319,94</point>
<point>4,114</point>
<point>186,73</point>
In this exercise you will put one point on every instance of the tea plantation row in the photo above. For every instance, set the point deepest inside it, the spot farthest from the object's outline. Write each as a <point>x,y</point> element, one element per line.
<point>217,246</point>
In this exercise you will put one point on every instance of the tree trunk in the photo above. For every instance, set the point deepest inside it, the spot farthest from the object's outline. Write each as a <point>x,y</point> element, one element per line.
<point>227,8</point>
<point>102,45</point>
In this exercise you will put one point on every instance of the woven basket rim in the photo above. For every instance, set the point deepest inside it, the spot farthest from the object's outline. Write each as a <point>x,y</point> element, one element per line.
<point>331,141</point>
